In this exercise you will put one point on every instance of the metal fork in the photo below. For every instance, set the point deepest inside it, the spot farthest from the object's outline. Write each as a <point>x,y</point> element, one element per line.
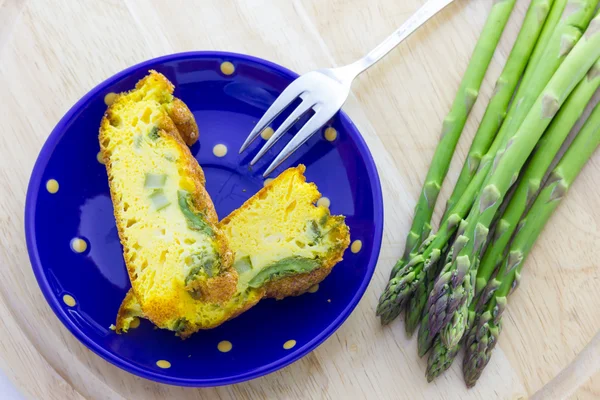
<point>325,91</point>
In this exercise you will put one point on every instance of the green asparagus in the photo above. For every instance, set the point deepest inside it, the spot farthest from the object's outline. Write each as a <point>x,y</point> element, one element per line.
<point>453,125</point>
<point>441,357</point>
<point>483,336</point>
<point>416,301</point>
<point>576,16</point>
<point>407,279</point>
<point>492,120</point>
<point>503,92</point>
<point>424,339</point>
<point>544,38</point>
<point>454,289</point>
<point>531,179</point>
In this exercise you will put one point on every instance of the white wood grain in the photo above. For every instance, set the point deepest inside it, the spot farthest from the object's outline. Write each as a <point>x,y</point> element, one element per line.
<point>53,51</point>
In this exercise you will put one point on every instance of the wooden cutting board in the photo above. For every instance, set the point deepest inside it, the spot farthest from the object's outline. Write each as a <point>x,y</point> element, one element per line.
<point>52,52</point>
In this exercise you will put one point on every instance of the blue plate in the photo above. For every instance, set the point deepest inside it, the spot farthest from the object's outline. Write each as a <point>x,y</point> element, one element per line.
<point>226,108</point>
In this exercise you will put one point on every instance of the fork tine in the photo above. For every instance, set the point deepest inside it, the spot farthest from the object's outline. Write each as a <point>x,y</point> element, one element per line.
<point>285,126</point>
<point>286,97</point>
<point>309,129</point>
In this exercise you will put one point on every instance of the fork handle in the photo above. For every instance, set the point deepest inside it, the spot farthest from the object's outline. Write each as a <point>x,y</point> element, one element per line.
<point>422,15</point>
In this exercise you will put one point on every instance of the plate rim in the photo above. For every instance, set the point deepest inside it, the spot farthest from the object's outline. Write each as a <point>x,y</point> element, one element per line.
<point>34,186</point>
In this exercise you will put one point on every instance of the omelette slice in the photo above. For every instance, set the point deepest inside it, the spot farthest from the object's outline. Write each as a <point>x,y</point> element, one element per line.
<point>283,245</point>
<point>174,251</point>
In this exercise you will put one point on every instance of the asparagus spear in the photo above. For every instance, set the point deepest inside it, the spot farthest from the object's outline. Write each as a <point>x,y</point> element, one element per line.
<point>544,38</point>
<point>440,359</point>
<point>503,92</point>
<point>532,177</point>
<point>453,125</point>
<point>577,14</point>
<point>454,289</point>
<point>492,120</point>
<point>416,301</point>
<point>424,339</point>
<point>441,356</point>
<point>483,336</point>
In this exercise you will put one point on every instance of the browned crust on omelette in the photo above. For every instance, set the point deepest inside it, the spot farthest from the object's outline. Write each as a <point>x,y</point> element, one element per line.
<point>184,120</point>
<point>297,284</point>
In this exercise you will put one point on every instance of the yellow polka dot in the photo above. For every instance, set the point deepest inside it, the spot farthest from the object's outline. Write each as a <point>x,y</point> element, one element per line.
<point>110,98</point>
<point>356,246</point>
<point>330,134</point>
<point>135,322</point>
<point>78,245</point>
<point>289,344</point>
<point>267,181</point>
<point>227,68</point>
<point>329,300</point>
<point>52,186</point>
<point>220,150</point>
<point>164,364</point>
<point>324,201</point>
<point>267,133</point>
<point>224,346</point>
<point>100,158</point>
<point>313,288</point>
<point>69,300</point>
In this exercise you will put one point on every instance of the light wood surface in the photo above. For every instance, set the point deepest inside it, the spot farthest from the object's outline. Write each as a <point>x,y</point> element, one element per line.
<point>53,52</point>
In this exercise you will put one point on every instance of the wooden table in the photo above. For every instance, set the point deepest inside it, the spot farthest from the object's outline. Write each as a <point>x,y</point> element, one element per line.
<point>53,52</point>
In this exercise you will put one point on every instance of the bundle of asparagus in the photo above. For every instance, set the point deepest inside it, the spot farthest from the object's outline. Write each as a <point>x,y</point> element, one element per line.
<point>458,279</point>
<point>490,124</point>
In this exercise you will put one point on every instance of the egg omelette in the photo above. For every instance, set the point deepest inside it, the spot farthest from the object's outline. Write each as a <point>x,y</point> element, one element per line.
<point>283,245</point>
